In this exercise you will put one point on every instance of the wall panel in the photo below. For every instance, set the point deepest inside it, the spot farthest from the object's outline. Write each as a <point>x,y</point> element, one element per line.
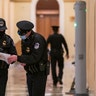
<point>90,46</point>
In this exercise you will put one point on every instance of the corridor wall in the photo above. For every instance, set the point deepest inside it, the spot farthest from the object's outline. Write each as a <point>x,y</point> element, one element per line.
<point>91,46</point>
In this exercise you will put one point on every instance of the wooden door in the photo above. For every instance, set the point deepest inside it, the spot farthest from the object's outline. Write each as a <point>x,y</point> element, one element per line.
<point>44,23</point>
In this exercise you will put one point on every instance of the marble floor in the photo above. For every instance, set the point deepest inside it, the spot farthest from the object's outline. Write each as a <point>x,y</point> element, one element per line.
<point>17,82</point>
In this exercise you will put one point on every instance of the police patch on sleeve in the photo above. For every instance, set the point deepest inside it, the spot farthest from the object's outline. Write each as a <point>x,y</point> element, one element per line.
<point>36,46</point>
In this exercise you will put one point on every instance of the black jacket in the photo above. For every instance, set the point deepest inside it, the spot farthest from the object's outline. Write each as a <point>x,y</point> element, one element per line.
<point>56,41</point>
<point>34,49</point>
<point>6,46</point>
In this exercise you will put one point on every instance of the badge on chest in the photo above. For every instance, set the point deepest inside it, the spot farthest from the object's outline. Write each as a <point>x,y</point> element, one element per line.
<point>27,49</point>
<point>4,43</point>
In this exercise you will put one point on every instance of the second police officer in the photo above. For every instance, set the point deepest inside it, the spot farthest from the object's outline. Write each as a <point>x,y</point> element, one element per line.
<point>33,58</point>
<point>57,44</point>
<point>6,46</point>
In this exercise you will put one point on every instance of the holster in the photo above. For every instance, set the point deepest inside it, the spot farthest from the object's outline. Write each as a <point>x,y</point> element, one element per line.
<point>42,66</point>
<point>45,67</point>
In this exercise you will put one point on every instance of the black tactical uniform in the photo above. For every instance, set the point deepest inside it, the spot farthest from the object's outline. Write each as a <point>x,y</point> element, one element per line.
<point>34,55</point>
<point>56,52</point>
<point>6,46</point>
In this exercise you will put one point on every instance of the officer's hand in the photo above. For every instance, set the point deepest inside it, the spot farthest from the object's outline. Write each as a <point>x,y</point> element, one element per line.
<point>12,58</point>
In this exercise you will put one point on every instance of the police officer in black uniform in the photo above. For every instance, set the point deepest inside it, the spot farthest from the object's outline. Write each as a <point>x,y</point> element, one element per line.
<point>6,46</point>
<point>34,57</point>
<point>56,53</point>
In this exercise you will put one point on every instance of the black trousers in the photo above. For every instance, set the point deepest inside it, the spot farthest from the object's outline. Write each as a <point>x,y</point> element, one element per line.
<point>36,83</point>
<point>54,61</point>
<point>3,81</point>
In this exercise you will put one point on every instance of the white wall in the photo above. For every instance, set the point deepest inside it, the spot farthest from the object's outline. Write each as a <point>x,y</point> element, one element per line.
<point>22,11</point>
<point>69,28</point>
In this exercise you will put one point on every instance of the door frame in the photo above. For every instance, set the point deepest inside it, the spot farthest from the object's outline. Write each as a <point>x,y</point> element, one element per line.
<point>61,15</point>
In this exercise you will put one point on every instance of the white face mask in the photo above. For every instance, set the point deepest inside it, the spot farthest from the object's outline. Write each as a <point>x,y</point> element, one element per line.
<point>23,37</point>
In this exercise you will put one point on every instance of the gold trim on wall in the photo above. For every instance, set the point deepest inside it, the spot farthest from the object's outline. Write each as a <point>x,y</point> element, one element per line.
<point>21,0</point>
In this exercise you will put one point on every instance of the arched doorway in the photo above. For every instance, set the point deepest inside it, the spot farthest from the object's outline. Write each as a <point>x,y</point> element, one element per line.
<point>47,15</point>
<point>61,14</point>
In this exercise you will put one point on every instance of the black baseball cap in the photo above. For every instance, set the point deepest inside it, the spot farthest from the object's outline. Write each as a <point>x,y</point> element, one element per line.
<point>2,24</point>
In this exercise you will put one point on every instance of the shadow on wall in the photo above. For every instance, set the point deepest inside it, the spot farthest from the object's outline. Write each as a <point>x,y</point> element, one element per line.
<point>18,47</point>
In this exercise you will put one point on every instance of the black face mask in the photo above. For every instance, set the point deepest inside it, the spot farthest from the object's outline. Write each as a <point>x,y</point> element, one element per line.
<point>2,33</point>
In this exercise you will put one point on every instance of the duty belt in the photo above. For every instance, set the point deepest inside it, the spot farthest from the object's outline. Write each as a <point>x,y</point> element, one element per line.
<point>33,68</point>
<point>42,67</point>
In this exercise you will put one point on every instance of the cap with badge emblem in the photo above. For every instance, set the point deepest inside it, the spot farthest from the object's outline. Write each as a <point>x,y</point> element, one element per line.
<point>2,24</point>
<point>25,25</point>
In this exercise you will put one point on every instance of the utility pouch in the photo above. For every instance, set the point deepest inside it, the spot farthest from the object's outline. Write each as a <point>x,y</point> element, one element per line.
<point>42,66</point>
